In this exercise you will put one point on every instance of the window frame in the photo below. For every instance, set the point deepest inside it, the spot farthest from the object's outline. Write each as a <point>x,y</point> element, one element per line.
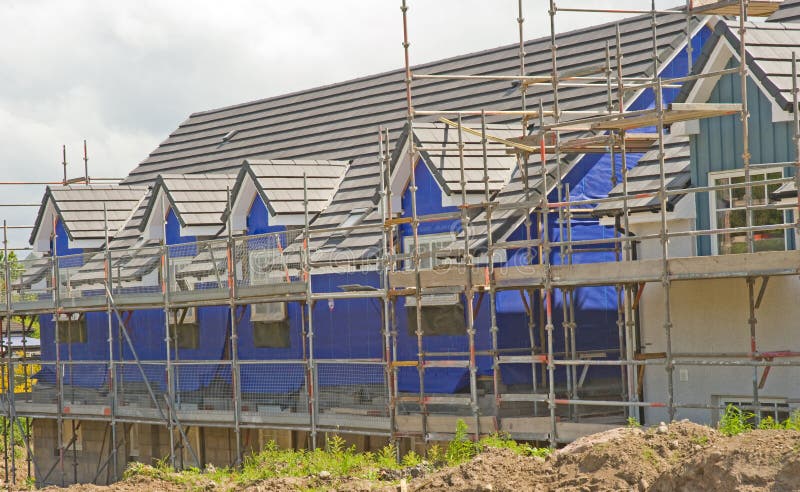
<point>266,277</point>
<point>412,319</point>
<point>713,209</point>
<point>189,322</point>
<point>780,405</point>
<point>68,322</point>
<point>427,239</point>
<point>268,317</point>
<point>176,264</point>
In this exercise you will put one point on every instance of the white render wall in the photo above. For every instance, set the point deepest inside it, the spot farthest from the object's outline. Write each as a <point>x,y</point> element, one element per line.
<point>711,316</point>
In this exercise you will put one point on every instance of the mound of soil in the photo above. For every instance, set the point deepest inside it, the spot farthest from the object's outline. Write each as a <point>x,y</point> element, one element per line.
<point>498,469</point>
<point>628,458</point>
<point>619,459</point>
<point>759,460</point>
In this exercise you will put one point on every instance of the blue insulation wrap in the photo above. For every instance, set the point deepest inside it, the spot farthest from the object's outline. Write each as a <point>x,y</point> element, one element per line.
<point>271,378</point>
<point>268,378</point>
<point>258,219</point>
<point>439,379</point>
<point>172,229</point>
<point>88,375</point>
<point>429,201</point>
<point>62,242</point>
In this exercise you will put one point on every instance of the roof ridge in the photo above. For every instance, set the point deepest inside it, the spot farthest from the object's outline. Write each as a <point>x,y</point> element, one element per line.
<point>562,35</point>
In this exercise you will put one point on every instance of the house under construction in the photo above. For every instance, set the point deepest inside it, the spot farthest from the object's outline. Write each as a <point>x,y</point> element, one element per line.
<point>543,239</point>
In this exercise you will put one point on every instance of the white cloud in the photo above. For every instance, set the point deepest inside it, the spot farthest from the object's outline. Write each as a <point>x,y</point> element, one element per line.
<point>125,74</point>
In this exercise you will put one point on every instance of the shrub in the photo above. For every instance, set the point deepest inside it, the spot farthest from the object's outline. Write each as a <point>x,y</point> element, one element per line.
<point>735,421</point>
<point>461,448</point>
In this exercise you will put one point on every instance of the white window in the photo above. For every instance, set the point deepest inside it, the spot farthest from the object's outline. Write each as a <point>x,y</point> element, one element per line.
<point>72,328</point>
<point>266,266</point>
<point>268,311</point>
<point>776,408</point>
<point>177,265</point>
<point>429,245</point>
<point>188,315</point>
<point>66,275</point>
<point>728,211</point>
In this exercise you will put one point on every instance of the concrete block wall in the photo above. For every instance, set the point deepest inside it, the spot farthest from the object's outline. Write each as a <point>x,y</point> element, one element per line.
<point>83,463</point>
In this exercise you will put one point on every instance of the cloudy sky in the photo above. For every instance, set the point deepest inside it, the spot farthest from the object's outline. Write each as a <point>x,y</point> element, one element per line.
<point>124,74</point>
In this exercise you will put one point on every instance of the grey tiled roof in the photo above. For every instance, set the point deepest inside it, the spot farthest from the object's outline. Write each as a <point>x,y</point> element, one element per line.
<point>446,164</point>
<point>197,199</point>
<point>645,178</point>
<point>280,183</point>
<point>789,11</point>
<point>360,186</point>
<point>769,55</point>
<point>80,208</point>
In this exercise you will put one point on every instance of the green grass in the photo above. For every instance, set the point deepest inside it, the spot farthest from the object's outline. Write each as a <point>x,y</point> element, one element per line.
<point>650,455</point>
<point>736,421</point>
<point>335,457</point>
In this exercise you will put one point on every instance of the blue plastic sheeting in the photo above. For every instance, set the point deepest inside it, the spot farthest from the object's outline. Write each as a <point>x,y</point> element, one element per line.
<point>95,349</point>
<point>447,380</point>
<point>68,257</point>
<point>437,380</point>
<point>146,330</point>
<point>343,329</point>
<point>172,230</point>
<point>429,201</point>
<point>591,178</point>
<point>258,219</point>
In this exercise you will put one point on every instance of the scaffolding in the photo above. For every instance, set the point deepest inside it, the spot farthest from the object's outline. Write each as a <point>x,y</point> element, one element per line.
<point>131,390</point>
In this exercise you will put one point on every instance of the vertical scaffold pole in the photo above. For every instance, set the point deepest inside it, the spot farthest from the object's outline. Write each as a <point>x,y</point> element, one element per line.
<point>469,287</point>
<point>383,151</point>
<point>112,372</point>
<point>9,383</point>
<point>752,321</point>
<point>312,368</point>
<point>522,162</point>
<point>630,372</point>
<point>390,266</point>
<point>745,119</point>
<point>166,287</point>
<point>548,294</point>
<point>796,131</point>
<point>565,296</point>
<point>235,373</point>
<point>59,368</point>
<point>665,279</point>
<point>412,158</point>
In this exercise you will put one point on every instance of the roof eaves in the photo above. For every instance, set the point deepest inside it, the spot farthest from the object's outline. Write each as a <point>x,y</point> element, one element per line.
<point>40,215</point>
<point>160,185</point>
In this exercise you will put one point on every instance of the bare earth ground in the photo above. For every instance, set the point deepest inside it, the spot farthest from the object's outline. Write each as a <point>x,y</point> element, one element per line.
<point>679,457</point>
